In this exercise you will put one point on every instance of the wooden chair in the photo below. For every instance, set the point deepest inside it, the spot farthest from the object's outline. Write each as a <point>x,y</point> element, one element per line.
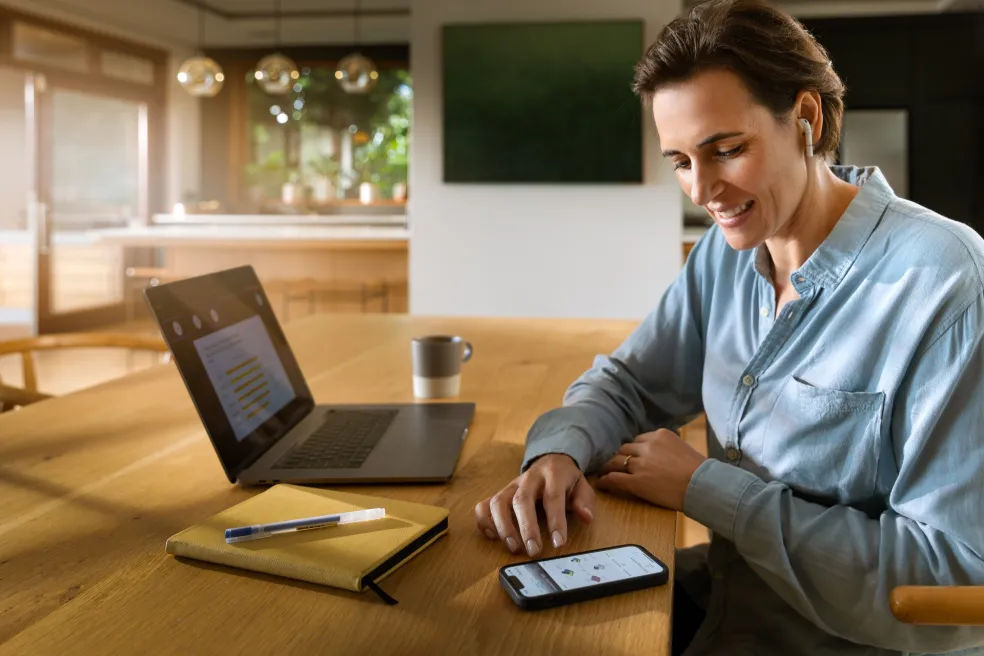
<point>11,397</point>
<point>938,604</point>
<point>313,291</point>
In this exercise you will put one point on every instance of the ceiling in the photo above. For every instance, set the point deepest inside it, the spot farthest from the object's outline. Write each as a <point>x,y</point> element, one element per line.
<point>289,6</point>
<point>841,8</point>
<point>174,24</point>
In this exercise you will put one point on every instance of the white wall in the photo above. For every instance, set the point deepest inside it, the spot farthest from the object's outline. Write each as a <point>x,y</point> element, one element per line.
<point>534,250</point>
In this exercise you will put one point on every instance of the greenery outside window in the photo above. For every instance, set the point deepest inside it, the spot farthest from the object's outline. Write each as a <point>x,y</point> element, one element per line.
<point>319,147</point>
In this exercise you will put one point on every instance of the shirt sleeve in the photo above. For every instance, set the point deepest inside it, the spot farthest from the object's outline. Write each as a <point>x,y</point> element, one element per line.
<point>836,565</point>
<point>653,380</point>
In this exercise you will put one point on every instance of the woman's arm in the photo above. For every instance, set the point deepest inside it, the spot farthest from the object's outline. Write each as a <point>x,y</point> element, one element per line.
<point>652,380</point>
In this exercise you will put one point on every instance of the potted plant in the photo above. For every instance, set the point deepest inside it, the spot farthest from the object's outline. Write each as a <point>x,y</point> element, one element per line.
<point>266,177</point>
<point>324,183</point>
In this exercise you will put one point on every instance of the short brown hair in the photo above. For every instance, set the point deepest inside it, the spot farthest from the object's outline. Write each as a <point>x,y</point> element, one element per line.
<point>772,53</point>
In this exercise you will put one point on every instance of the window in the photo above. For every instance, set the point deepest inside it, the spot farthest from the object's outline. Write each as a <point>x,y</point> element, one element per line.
<point>319,147</point>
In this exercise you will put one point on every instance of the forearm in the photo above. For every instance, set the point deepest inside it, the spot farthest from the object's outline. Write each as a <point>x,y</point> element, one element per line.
<point>835,565</point>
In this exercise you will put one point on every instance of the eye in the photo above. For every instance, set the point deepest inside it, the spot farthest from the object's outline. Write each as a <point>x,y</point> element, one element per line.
<point>681,164</point>
<point>727,154</point>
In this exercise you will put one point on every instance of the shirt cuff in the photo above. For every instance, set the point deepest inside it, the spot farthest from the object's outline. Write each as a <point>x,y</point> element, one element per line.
<point>715,493</point>
<point>570,443</point>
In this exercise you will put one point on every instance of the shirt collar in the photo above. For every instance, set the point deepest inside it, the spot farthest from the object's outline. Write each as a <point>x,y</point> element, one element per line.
<point>830,262</point>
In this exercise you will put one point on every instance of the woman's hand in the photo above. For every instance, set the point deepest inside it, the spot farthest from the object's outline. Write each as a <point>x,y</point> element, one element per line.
<point>553,479</point>
<point>656,467</point>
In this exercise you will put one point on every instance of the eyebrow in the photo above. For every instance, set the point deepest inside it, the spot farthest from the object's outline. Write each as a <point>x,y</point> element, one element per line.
<point>717,136</point>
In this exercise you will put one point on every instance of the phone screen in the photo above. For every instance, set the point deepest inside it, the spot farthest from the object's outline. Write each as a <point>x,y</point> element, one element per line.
<point>582,570</point>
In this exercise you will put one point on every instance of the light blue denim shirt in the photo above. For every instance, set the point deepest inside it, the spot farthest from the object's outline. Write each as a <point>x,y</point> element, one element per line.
<point>846,434</point>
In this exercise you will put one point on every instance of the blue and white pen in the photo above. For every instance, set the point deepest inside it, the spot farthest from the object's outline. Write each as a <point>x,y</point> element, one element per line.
<point>257,531</point>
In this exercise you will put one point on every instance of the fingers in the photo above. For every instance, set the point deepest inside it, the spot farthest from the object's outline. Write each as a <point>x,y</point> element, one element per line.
<point>524,507</point>
<point>631,448</point>
<point>483,518</point>
<point>500,507</point>
<point>582,499</point>
<point>511,514</point>
<point>617,482</point>
<point>555,508</point>
<point>617,462</point>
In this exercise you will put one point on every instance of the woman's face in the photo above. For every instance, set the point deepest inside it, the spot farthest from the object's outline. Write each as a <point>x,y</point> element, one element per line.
<point>731,156</point>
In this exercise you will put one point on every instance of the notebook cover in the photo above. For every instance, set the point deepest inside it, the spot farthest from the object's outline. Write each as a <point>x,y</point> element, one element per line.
<point>339,556</point>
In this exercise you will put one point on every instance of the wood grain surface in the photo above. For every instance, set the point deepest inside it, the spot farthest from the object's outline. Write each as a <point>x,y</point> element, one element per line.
<point>91,484</point>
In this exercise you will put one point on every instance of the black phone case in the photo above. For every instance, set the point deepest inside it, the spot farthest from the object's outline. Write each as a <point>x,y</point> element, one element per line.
<point>583,594</point>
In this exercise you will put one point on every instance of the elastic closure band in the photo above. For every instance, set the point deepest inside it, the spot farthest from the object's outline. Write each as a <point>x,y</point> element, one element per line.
<point>390,601</point>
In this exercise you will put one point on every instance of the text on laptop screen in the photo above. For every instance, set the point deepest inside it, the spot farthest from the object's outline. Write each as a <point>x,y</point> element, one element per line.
<point>246,373</point>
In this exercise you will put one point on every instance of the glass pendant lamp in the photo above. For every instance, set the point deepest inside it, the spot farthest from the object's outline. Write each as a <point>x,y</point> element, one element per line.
<point>356,73</point>
<point>201,76</point>
<point>276,72</point>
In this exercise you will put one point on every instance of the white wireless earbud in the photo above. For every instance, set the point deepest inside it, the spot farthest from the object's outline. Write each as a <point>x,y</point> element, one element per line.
<point>808,133</point>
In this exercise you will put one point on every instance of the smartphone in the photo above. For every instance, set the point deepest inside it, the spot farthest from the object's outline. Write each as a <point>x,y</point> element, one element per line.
<point>550,582</point>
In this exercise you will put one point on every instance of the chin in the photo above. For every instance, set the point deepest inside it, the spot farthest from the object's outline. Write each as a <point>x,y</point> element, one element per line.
<point>740,240</point>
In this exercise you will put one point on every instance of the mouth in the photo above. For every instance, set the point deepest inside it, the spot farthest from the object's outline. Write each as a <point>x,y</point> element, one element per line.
<point>733,216</point>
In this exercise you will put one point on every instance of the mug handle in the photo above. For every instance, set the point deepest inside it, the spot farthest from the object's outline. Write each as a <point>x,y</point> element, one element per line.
<point>468,352</point>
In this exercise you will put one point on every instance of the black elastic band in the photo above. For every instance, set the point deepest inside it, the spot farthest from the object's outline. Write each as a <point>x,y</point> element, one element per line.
<point>381,593</point>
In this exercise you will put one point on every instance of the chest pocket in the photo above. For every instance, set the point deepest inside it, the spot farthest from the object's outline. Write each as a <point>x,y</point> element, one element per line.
<point>824,443</point>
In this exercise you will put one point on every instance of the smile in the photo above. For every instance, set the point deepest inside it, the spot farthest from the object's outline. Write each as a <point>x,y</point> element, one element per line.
<point>734,215</point>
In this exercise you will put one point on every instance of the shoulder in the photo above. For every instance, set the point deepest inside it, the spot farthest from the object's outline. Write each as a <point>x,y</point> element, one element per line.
<point>931,267</point>
<point>925,242</point>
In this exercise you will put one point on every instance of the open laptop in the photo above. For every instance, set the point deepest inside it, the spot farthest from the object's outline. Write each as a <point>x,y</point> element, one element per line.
<point>259,413</point>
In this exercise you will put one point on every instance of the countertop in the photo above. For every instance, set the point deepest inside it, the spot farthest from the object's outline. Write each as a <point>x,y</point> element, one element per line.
<point>267,236</point>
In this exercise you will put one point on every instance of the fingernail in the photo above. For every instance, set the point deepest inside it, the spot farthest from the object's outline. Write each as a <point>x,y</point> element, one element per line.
<point>511,544</point>
<point>532,548</point>
<point>490,533</point>
<point>587,511</point>
<point>558,540</point>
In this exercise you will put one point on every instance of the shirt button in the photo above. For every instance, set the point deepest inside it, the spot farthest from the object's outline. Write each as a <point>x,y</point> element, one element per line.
<point>764,311</point>
<point>800,279</point>
<point>748,380</point>
<point>732,453</point>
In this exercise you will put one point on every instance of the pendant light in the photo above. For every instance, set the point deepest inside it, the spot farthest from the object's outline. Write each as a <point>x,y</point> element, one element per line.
<point>356,73</point>
<point>201,76</point>
<point>276,72</point>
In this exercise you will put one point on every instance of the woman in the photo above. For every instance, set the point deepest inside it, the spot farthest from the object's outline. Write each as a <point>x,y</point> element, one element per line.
<point>831,332</point>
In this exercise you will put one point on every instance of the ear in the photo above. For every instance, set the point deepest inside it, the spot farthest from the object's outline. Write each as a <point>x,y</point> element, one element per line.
<point>808,105</point>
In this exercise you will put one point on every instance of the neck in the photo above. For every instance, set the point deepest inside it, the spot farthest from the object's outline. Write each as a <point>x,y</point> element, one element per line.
<point>825,200</point>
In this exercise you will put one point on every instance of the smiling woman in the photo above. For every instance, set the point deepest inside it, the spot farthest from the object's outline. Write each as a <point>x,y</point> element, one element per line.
<point>832,333</point>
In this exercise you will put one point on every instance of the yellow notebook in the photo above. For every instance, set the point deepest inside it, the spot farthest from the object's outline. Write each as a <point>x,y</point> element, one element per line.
<point>350,556</point>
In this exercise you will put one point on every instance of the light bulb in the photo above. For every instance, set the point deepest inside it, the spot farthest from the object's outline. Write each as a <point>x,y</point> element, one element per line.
<point>276,74</point>
<point>201,76</point>
<point>356,74</point>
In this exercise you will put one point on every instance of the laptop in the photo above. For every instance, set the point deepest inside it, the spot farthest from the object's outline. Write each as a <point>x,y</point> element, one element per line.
<point>257,408</point>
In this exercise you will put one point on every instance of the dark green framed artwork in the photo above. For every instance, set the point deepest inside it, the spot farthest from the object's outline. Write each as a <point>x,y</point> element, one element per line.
<point>542,103</point>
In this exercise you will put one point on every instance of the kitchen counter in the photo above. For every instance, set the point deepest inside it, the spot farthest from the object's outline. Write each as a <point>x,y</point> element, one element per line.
<point>316,237</point>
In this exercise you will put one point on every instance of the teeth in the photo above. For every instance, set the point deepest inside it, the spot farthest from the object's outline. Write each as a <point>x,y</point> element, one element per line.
<point>735,211</point>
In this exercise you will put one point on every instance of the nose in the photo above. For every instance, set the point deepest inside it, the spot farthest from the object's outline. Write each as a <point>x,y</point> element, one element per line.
<point>704,184</point>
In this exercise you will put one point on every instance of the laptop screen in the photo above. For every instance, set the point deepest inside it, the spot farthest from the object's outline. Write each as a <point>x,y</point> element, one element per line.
<point>235,362</point>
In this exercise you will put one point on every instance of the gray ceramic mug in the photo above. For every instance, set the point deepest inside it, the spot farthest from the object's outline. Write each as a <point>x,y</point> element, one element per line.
<point>437,365</point>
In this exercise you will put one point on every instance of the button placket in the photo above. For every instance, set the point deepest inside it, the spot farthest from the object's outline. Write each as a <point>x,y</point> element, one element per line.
<point>778,334</point>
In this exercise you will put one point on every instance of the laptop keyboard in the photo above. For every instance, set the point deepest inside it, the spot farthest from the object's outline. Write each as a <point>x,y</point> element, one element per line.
<point>343,441</point>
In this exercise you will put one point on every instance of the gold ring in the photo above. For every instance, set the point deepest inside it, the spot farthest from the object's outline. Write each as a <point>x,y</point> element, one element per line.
<point>625,463</point>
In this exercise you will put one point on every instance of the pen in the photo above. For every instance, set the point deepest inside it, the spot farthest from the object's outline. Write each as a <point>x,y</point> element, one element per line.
<point>257,531</point>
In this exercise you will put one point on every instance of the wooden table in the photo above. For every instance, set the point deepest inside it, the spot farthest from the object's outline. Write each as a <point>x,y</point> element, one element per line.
<point>91,484</point>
